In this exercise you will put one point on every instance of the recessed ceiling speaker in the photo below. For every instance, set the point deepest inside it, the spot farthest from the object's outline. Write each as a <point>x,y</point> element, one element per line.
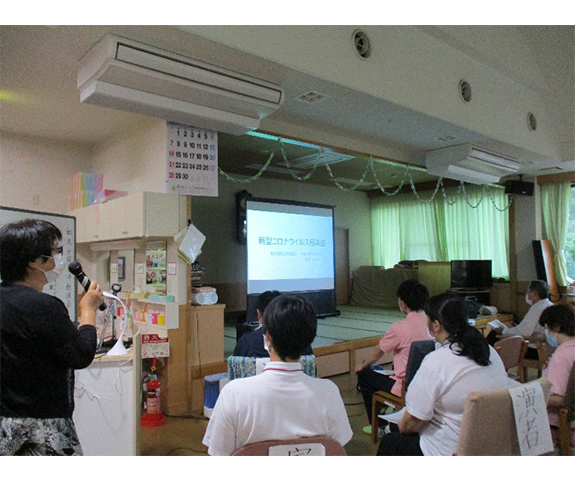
<point>361,44</point>
<point>465,90</point>
<point>531,122</point>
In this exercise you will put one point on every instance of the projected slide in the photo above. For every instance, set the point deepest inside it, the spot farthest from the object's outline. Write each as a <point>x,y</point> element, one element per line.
<point>290,247</point>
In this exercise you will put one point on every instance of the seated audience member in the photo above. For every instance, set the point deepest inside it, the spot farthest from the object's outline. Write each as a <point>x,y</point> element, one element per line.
<point>251,344</point>
<point>281,403</point>
<point>412,297</point>
<point>538,297</point>
<point>437,395</point>
<point>559,323</point>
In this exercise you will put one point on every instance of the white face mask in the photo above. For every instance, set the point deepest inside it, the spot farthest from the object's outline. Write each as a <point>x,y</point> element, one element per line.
<point>266,346</point>
<point>54,274</point>
<point>527,300</point>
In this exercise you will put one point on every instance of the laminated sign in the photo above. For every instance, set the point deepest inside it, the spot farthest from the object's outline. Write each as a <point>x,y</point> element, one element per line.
<point>154,346</point>
<point>191,160</point>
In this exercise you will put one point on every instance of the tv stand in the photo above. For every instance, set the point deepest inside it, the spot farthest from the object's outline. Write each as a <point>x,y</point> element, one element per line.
<point>482,295</point>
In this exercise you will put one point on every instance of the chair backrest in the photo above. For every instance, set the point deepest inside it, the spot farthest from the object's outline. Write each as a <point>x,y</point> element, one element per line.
<point>417,352</point>
<point>243,366</point>
<point>319,445</point>
<point>488,426</point>
<point>511,349</point>
<point>570,395</point>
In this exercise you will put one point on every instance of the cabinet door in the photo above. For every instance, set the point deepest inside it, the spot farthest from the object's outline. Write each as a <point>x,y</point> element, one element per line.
<point>101,215</point>
<point>162,214</point>
<point>134,216</point>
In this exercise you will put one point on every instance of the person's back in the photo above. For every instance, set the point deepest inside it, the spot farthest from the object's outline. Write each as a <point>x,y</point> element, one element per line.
<point>282,402</point>
<point>457,376</point>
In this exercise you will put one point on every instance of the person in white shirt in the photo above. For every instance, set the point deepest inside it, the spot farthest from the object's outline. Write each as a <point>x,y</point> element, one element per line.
<point>436,398</point>
<point>281,403</point>
<point>538,297</point>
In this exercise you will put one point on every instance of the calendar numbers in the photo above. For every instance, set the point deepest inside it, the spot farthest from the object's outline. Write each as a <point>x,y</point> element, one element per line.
<point>191,160</point>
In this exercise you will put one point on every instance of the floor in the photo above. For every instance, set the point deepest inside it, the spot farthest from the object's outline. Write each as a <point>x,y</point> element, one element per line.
<point>183,436</point>
<point>354,323</point>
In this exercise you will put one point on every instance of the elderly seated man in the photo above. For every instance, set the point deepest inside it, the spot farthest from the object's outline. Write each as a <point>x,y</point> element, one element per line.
<point>538,297</point>
<point>282,402</point>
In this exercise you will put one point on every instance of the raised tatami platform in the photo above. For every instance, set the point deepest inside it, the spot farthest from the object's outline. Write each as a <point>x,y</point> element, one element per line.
<point>354,323</point>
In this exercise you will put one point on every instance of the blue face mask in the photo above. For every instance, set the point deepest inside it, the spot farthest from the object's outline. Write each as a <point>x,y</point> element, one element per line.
<point>551,340</point>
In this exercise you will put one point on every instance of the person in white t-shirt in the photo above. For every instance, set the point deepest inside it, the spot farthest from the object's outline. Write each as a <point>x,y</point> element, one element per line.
<point>281,403</point>
<point>437,395</point>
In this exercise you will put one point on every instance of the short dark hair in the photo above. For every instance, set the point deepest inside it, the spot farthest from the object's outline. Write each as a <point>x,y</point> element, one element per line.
<point>22,242</point>
<point>560,318</point>
<point>414,294</point>
<point>264,299</point>
<point>291,321</point>
<point>540,287</point>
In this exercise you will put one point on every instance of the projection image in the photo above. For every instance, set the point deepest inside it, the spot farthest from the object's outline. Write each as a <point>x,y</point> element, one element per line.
<point>290,248</point>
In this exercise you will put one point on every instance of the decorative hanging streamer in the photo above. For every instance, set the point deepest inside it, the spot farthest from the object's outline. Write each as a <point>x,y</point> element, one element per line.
<point>251,179</point>
<point>370,167</point>
<point>439,183</point>
<point>381,188</point>
<point>292,172</point>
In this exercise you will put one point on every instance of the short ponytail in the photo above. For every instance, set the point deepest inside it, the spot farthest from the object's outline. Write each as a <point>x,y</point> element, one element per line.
<point>451,312</point>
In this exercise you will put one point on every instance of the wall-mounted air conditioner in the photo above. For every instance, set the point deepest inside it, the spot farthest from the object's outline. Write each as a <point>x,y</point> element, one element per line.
<point>469,164</point>
<point>127,75</point>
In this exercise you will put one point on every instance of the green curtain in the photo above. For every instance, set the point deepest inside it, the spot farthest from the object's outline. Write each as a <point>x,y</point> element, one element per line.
<point>403,228</point>
<point>475,226</point>
<point>555,211</point>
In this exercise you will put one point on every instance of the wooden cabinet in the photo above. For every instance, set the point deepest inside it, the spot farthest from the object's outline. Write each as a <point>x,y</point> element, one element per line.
<point>196,346</point>
<point>143,214</point>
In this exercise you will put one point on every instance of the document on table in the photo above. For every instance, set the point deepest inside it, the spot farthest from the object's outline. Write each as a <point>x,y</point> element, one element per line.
<point>393,417</point>
<point>496,324</point>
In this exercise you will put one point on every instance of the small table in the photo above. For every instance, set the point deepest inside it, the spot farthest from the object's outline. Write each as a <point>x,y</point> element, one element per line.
<point>481,322</point>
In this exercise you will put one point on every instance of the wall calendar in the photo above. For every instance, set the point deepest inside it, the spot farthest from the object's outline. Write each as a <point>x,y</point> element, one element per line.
<point>191,160</point>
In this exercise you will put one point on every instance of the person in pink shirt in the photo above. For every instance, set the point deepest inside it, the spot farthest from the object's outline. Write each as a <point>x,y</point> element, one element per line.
<point>412,297</point>
<point>559,323</point>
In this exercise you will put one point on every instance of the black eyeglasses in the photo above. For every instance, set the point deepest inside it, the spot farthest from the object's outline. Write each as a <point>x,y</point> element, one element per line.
<point>55,249</point>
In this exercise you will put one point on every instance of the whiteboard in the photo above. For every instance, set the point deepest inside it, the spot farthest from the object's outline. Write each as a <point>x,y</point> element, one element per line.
<point>65,287</point>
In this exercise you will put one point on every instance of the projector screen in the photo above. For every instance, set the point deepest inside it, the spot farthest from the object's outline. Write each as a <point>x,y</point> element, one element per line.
<point>290,248</point>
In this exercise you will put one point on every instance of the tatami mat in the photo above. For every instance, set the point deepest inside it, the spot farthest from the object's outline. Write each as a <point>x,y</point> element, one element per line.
<point>354,323</point>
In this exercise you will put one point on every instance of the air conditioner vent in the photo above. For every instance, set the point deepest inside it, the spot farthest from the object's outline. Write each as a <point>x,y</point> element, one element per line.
<point>361,44</point>
<point>311,97</point>
<point>531,122</point>
<point>465,90</point>
<point>127,75</point>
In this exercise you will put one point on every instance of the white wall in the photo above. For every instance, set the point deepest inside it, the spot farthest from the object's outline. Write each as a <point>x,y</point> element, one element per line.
<point>134,160</point>
<point>224,260</point>
<point>36,169</point>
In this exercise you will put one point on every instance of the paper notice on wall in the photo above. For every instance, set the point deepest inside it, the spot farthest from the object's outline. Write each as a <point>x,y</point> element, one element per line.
<point>155,346</point>
<point>533,431</point>
<point>191,160</point>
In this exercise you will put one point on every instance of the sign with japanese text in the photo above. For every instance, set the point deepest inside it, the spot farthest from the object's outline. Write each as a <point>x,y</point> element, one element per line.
<point>155,346</point>
<point>533,431</point>
<point>191,160</point>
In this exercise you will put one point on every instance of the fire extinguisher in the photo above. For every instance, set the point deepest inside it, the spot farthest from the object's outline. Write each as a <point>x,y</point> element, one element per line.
<point>153,417</point>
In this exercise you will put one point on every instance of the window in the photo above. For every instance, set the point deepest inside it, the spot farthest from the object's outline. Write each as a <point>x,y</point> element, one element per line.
<point>450,227</point>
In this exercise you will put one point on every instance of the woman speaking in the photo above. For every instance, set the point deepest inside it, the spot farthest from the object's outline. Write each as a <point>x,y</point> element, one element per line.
<point>39,345</point>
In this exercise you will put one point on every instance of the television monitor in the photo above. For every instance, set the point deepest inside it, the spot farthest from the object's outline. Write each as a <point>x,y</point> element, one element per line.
<point>471,274</point>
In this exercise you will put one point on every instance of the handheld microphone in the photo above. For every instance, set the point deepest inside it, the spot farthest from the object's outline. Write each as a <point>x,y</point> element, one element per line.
<point>76,269</point>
